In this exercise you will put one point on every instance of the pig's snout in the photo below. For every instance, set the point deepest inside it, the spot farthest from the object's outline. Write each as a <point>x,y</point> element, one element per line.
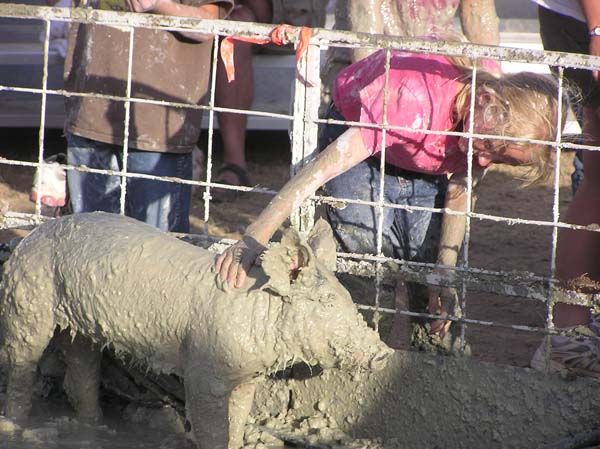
<point>379,360</point>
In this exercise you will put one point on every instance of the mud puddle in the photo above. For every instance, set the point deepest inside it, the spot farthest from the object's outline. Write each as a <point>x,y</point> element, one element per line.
<point>161,429</point>
<point>67,433</point>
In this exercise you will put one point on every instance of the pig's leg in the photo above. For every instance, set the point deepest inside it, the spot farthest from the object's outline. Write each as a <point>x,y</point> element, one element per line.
<point>207,406</point>
<point>240,403</point>
<point>82,376</point>
<point>26,335</point>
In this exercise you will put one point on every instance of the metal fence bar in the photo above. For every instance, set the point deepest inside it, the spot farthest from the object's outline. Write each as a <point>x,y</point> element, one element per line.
<point>381,193</point>
<point>555,212</point>
<point>319,37</point>
<point>59,92</point>
<point>127,106</point>
<point>64,93</point>
<point>462,310</point>
<point>307,88</point>
<point>305,123</point>
<point>41,132</point>
<point>211,118</point>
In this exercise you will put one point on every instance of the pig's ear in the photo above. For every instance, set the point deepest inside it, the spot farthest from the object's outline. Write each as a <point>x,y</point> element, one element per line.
<point>284,261</point>
<point>323,244</point>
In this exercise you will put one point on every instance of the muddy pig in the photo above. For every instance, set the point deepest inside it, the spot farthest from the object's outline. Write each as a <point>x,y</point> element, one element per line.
<point>111,280</point>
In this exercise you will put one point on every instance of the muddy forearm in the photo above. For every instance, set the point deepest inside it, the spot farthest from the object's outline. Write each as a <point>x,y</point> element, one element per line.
<point>342,154</point>
<point>300,187</point>
<point>479,21</point>
<point>453,230</point>
<point>454,226</point>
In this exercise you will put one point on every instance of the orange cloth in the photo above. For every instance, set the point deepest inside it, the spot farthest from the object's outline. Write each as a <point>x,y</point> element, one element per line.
<point>280,35</point>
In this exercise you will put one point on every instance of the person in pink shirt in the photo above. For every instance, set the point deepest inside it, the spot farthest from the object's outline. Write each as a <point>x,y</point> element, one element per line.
<point>427,97</point>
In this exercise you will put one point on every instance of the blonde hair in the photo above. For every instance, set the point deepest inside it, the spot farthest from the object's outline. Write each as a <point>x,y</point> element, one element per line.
<point>531,102</point>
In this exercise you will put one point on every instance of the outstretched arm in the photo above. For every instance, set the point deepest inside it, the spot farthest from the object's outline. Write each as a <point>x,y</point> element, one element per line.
<point>442,299</point>
<point>342,154</point>
<point>173,8</point>
<point>578,251</point>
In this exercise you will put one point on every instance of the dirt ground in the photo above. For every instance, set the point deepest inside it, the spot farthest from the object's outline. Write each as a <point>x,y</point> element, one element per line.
<point>494,246</point>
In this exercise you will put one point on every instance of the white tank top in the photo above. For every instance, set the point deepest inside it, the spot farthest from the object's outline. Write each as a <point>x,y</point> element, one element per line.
<point>569,8</point>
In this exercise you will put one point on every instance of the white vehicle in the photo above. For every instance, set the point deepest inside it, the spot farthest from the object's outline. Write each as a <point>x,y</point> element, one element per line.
<point>22,56</point>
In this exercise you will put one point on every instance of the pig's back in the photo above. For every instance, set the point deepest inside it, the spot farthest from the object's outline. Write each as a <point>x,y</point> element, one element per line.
<point>123,282</point>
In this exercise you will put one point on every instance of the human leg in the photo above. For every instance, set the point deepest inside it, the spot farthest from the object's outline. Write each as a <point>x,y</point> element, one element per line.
<point>163,204</point>
<point>578,252</point>
<point>410,235</point>
<point>355,225</point>
<point>355,228</point>
<point>92,191</point>
<point>419,233</point>
<point>238,94</point>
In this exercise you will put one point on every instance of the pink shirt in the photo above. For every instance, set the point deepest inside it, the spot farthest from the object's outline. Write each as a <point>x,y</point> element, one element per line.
<point>422,89</point>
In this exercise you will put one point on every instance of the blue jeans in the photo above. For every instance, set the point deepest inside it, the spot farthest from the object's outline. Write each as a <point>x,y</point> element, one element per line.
<point>408,235</point>
<point>163,204</point>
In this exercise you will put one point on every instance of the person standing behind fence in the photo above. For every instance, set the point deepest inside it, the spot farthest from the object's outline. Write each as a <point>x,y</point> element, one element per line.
<point>430,92</point>
<point>405,18</point>
<point>424,18</point>
<point>574,26</point>
<point>167,66</point>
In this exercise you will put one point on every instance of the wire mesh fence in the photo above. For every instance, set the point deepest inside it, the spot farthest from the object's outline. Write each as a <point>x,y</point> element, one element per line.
<point>304,123</point>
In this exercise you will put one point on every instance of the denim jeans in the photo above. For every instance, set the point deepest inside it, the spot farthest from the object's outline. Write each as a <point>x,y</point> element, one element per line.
<point>410,235</point>
<point>163,204</point>
<point>577,175</point>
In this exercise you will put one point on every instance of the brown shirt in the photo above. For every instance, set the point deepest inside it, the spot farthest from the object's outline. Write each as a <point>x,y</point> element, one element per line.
<point>166,67</point>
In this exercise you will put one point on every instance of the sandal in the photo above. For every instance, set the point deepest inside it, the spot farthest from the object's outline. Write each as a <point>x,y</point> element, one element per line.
<point>222,195</point>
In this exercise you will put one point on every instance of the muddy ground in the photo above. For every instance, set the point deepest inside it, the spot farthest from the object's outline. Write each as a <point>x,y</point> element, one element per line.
<point>493,245</point>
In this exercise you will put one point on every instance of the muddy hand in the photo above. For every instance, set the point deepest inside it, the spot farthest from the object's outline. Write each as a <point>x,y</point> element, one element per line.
<point>234,263</point>
<point>442,301</point>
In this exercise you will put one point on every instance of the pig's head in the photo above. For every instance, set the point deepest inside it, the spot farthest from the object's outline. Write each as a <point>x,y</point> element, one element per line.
<point>322,324</point>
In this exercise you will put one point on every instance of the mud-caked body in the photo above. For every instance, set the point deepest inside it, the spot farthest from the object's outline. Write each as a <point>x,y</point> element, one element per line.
<point>109,280</point>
